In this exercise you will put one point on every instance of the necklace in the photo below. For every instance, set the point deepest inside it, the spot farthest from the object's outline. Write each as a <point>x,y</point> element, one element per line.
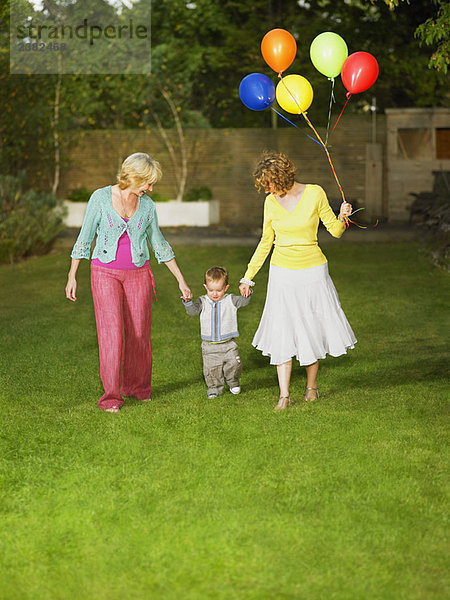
<point>126,213</point>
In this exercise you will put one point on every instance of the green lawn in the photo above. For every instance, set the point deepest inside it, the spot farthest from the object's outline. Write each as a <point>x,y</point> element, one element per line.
<point>189,498</point>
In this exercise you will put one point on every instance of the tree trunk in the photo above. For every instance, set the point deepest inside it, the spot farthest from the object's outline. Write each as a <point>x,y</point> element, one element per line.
<point>183,154</point>
<point>56,128</point>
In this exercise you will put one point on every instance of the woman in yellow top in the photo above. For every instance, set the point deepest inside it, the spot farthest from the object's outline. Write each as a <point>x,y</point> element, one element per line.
<point>302,315</point>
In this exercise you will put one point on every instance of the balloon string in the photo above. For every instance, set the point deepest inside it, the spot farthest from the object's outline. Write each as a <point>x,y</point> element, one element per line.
<point>357,210</point>
<point>348,98</point>
<point>283,117</point>
<point>318,137</point>
<point>346,220</point>
<point>329,109</point>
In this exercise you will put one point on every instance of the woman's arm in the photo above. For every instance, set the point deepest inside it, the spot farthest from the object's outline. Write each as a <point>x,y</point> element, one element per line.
<point>175,270</point>
<point>160,246</point>
<point>82,247</point>
<point>91,221</point>
<point>263,248</point>
<point>71,287</point>
<point>334,225</point>
<point>165,254</point>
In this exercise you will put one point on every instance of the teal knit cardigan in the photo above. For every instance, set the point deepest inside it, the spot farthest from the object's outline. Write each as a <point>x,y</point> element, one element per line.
<point>101,218</point>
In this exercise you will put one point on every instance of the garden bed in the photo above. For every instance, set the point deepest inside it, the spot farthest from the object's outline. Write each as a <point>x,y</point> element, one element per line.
<point>170,214</point>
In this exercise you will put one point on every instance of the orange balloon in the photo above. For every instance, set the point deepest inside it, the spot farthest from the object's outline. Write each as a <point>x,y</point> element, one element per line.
<point>278,48</point>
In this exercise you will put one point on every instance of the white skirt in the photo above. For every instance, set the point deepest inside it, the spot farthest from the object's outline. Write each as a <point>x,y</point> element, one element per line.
<point>302,317</point>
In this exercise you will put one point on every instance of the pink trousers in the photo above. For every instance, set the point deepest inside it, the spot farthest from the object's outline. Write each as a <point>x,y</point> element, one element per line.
<point>123,313</point>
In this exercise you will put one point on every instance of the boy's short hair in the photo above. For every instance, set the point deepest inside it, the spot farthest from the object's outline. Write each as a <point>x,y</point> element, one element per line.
<point>216,274</point>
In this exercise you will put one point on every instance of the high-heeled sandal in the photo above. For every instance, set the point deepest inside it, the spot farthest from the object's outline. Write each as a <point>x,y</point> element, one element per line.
<point>283,402</point>
<point>311,394</point>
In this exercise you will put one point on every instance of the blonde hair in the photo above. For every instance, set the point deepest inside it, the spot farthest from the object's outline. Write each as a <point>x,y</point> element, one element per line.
<point>216,274</point>
<point>276,169</point>
<point>138,169</point>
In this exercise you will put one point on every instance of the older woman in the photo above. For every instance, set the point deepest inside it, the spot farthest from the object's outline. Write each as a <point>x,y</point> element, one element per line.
<point>302,315</point>
<point>124,218</point>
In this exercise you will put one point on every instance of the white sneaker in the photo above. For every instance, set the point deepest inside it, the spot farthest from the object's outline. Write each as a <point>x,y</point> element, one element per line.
<point>235,390</point>
<point>212,396</point>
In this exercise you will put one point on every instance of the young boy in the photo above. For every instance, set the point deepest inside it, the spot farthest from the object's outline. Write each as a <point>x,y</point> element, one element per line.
<point>218,325</point>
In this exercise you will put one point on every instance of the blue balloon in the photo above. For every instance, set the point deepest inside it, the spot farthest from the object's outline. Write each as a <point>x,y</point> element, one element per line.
<point>257,91</point>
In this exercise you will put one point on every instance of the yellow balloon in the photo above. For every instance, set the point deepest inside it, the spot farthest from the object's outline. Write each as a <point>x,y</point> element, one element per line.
<point>294,94</point>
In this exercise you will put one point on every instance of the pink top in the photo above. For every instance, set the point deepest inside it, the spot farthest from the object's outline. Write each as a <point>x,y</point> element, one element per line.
<point>123,260</point>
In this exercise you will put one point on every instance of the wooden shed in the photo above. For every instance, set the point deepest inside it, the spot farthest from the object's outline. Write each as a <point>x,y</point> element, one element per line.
<point>417,150</point>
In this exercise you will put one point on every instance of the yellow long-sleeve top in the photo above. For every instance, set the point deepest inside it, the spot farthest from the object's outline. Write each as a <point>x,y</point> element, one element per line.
<point>295,232</point>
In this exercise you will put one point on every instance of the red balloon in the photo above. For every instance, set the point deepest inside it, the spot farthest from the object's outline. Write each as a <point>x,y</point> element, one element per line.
<point>359,72</point>
<point>278,48</point>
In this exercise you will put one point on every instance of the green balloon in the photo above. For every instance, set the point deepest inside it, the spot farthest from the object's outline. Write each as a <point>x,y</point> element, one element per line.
<point>328,53</point>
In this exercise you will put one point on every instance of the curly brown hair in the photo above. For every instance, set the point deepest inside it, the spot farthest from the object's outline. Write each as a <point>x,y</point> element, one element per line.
<point>275,169</point>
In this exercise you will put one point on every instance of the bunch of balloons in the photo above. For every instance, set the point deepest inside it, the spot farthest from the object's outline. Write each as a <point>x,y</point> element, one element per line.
<point>294,93</point>
<point>329,54</point>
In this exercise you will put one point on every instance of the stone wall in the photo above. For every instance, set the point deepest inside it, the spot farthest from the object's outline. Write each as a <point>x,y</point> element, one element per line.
<point>223,159</point>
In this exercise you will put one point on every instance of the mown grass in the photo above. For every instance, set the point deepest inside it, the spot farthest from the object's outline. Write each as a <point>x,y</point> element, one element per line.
<point>193,498</point>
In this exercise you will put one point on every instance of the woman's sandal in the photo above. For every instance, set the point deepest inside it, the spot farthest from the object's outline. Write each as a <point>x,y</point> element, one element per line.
<point>283,402</point>
<point>311,394</point>
<point>112,409</point>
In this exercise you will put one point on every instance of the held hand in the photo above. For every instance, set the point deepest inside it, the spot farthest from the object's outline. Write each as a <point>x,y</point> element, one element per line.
<point>345,210</point>
<point>71,289</point>
<point>186,293</point>
<point>245,290</point>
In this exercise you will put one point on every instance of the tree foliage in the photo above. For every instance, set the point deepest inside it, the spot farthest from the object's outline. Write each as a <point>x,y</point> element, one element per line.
<point>435,32</point>
<point>201,50</point>
<point>221,42</point>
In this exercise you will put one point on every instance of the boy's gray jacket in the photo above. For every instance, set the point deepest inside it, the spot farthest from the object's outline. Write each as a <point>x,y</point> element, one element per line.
<point>218,320</point>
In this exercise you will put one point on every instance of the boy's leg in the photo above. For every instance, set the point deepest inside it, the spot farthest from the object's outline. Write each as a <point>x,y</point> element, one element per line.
<point>213,367</point>
<point>232,366</point>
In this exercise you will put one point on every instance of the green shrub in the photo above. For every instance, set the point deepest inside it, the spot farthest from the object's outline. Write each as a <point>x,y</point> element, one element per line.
<point>30,221</point>
<point>202,192</point>
<point>430,212</point>
<point>79,195</point>
<point>158,197</point>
